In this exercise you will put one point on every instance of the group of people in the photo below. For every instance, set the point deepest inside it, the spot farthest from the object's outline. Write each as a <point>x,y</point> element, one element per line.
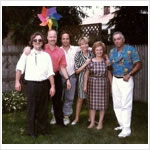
<point>52,73</point>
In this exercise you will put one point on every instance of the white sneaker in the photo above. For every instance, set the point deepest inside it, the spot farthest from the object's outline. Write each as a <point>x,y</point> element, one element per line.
<point>118,128</point>
<point>74,123</point>
<point>53,121</point>
<point>124,133</point>
<point>66,120</point>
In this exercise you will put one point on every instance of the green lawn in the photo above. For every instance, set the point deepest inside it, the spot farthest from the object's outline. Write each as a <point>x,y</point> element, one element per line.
<point>14,129</point>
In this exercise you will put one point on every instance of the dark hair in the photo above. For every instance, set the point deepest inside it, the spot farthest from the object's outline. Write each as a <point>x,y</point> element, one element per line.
<point>65,32</point>
<point>33,36</point>
<point>97,44</point>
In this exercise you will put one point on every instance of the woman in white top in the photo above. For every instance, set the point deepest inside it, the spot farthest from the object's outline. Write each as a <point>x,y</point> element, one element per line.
<point>40,84</point>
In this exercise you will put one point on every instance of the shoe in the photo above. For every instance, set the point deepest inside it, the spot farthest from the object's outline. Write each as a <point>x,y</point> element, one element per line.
<point>99,127</point>
<point>91,126</point>
<point>53,121</point>
<point>118,128</point>
<point>66,120</point>
<point>73,123</point>
<point>124,133</point>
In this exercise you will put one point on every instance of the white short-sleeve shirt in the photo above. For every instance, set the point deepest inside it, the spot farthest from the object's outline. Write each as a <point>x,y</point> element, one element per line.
<point>37,65</point>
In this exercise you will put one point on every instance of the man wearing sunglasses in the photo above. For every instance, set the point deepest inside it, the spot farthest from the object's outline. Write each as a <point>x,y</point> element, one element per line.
<point>40,84</point>
<point>59,64</point>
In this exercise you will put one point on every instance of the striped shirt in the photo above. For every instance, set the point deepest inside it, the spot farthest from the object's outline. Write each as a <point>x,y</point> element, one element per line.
<point>80,59</point>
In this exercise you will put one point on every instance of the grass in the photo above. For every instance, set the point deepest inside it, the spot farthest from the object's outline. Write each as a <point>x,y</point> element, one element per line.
<point>14,129</point>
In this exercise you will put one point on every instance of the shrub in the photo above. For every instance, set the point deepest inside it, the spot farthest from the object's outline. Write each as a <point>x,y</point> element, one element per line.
<point>13,101</point>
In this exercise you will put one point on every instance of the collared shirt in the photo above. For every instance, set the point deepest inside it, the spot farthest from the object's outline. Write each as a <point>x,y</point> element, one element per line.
<point>37,65</point>
<point>57,56</point>
<point>122,62</point>
<point>70,55</point>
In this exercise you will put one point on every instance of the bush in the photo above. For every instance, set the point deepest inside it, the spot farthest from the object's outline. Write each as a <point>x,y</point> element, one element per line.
<point>13,101</point>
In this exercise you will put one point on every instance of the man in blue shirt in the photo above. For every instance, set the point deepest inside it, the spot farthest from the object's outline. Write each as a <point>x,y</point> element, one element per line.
<point>125,62</point>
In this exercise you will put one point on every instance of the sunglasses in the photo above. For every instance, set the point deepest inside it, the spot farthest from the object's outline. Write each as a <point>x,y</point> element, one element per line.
<point>38,40</point>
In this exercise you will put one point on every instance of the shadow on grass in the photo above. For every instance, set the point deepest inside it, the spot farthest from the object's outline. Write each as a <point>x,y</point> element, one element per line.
<point>14,129</point>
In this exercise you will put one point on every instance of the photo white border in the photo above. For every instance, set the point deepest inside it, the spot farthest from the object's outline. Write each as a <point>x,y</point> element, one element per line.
<point>72,146</point>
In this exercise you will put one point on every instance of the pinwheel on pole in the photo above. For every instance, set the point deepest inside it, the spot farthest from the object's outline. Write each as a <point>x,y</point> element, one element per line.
<point>49,17</point>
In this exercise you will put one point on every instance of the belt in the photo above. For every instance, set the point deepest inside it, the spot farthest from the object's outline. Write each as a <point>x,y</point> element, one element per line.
<point>119,77</point>
<point>73,75</point>
<point>98,76</point>
<point>38,81</point>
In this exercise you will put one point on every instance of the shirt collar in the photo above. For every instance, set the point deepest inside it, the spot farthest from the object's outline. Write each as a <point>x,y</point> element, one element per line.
<point>34,51</point>
<point>70,47</point>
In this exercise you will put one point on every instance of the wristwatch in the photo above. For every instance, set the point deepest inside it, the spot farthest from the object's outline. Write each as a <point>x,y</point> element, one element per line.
<point>67,79</point>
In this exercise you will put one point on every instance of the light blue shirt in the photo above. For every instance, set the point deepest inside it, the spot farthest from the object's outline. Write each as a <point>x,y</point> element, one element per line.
<point>122,62</point>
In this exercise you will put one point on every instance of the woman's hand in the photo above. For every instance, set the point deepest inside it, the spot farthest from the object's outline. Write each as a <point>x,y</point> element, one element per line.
<point>107,62</point>
<point>85,89</point>
<point>88,61</point>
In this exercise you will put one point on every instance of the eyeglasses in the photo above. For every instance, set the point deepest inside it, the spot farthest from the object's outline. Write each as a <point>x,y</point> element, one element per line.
<point>38,40</point>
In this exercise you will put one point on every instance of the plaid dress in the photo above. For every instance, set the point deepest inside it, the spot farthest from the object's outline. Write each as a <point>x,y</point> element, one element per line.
<point>98,86</point>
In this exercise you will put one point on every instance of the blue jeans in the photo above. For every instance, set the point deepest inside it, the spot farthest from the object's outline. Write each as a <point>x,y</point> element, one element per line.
<point>68,95</point>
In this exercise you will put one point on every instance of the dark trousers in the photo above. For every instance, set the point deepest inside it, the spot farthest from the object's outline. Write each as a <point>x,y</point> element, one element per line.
<point>57,99</point>
<point>37,106</point>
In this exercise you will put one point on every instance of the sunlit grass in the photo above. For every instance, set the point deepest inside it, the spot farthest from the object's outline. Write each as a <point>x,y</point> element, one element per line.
<point>14,129</point>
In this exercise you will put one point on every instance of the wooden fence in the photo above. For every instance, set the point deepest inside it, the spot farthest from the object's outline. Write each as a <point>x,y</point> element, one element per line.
<point>140,78</point>
<point>11,54</point>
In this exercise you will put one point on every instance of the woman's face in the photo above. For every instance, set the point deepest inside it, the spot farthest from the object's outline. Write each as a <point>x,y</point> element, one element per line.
<point>37,42</point>
<point>84,46</point>
<point>99,51</point>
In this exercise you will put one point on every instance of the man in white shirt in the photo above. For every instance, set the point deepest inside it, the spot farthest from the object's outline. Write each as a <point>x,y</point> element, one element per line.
<point>70,52</point>
<point>38,73</point>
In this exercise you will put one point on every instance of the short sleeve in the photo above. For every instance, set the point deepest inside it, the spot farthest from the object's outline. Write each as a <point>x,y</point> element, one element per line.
<point>135,56</point>
<point>63,61</point>
<point>22,63</point>
<point>88,67</point>
<point>111,57</point>
<point>50,66</point>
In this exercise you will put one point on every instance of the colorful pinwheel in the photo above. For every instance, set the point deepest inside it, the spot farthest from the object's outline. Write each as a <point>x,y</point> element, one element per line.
<point>49,17</point>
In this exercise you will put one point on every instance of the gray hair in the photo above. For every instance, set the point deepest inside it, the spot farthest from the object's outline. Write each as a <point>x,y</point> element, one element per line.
<point>118,32</point>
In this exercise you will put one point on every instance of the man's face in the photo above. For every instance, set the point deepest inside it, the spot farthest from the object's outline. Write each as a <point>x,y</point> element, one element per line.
<point>65,40</point>
<point>118,40</point>
<point>52,38</point>
<point>37,42</point>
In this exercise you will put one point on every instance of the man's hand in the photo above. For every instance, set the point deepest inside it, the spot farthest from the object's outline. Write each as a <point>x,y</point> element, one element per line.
<point>126,77</point>
<point>18,86</point>
<point>68,85</point>
<point>52,91</point>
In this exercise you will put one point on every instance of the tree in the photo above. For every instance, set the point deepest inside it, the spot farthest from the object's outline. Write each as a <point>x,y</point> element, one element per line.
<point>23,21</point>
<point>132,21</point>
